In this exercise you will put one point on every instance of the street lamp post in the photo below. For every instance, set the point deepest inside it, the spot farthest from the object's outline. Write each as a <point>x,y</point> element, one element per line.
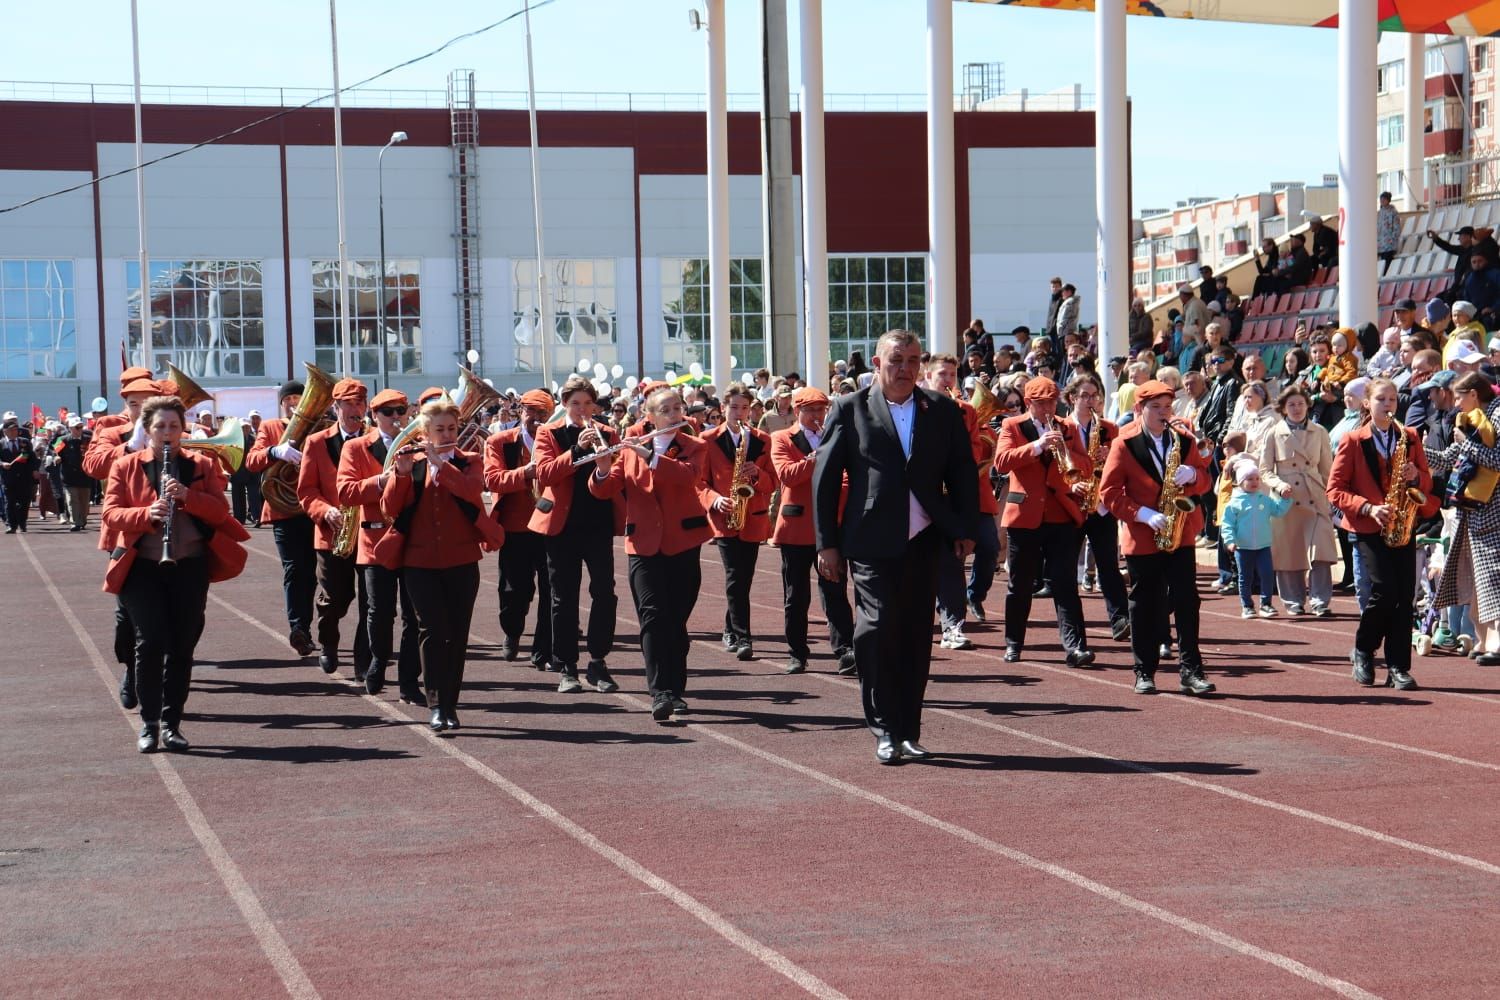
<point>380,187</point>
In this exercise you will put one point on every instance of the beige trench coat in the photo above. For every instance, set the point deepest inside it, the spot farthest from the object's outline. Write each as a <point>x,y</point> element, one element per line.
<point>1301,460</point>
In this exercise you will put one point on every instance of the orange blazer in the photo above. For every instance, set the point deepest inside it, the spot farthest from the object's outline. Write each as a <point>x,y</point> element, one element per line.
<point>718,477</point>
<point>505,459</point>
<point>107,445</point>
<point>664,514</point>
<point>1131,482</point>
<point>317,483</point>
<point>984,442</point>
<point>128,497</point>
<point>554,470</point>
<point>1032,476</point>
<point>1353,482</point>
<point>258,459</point>
<point>437,526</point>
<point>794,459</point>
<point>358,483</point>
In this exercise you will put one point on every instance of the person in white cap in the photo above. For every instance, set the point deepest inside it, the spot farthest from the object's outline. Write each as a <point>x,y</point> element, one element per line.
<point>1466,328</point>
<point>16,468</point>
<point>1466,359</point>
<point>1195,314</point>
<point>78,486</point>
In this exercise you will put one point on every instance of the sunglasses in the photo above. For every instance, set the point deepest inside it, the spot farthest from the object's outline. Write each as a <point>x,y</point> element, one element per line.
<point>392,411</point>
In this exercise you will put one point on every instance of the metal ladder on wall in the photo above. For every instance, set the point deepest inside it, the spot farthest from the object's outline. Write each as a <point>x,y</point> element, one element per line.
<point>463,120</point>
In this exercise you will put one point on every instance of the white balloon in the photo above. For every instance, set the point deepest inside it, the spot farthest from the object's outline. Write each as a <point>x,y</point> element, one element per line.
<point>604,389</point>
<point>749,378</point>
<point>473,356</point>
<point>632,382</point>
<point>598,386</point>
<point>618,371</point>
<point>601,372</point>
<point>734,362</point>
<point>583,366</point>
<point>695,370</point>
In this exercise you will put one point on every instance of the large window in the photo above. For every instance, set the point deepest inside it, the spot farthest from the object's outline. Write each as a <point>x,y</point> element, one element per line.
<point>36,313</point>
<point>1390,76</point>
<point>1390,131</point>
<point>403,316</point>
<point>584,323</point>
<point>868,296</point>
<point>685,312</point>
<point>206,316</point>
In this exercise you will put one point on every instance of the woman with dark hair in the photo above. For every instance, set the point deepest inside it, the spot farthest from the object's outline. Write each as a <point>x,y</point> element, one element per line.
<point>1471,573</point>
<point>175,536</point>
<point>1293,365</point>
<point>857,366</point>
<point>1295,459</point>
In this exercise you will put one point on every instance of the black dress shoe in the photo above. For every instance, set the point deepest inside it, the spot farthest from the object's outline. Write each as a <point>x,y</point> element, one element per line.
<point>886,751</point>
<point>678,705</point>
<point>412,697</point>
<point>744,652</point>
<point>1080,657</point>
<point>450,721</point>
<point>1165,651</point>
<point>510,649</point>
<point>1144,684</point>
<point>328,661</point>
<point>915,750</point>
<point>302,642</point>
<point>1012,653</point>
<point>437,723</point>
<point>127,689</point>
<point>661,707</point>
<point>1400,680</point>
<point>598,675</point>
<point>1193,682</point>
<point>846,662</point>
<point>173,740</point>
<point>146,742</point>
<point>1484,660</point>
<point>1364,668</point>
<point>977,610</point>
<point>375,679</point>
<point>796,666</point>
<point>1046,591</point>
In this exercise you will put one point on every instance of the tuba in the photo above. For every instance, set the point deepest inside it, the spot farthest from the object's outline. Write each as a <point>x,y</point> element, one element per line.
<point>1403,499</point>
<point>986,406</point>
<point>228,446</point>
<point>188,391</point>
<point>278,484</point>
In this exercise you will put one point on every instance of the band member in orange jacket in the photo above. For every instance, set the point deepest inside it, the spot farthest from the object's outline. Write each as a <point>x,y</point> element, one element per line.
<point>1086,395</point>
<point>1361,485</point>
<point>1163,581</point>
<point>736,444</point>
<point>361,481</point>
<point>435,499</point>
<point>580,528</point>
<point>108,443</point>
<point>317,489</point>
<point>665,527</point>
<point>1042,518</point>
<point>293,532</point>
<point>174,535</point>
<point>510,474</point>
<point>794,456</point>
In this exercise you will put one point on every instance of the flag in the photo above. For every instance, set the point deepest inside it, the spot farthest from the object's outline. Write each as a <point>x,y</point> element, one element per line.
<point>38,418</point>
<point>59,444</point>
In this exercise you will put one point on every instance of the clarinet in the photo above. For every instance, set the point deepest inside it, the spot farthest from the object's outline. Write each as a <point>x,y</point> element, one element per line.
<point>161,488</point>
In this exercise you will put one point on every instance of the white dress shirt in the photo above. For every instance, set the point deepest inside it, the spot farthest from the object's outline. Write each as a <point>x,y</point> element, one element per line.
<point>904,415</point>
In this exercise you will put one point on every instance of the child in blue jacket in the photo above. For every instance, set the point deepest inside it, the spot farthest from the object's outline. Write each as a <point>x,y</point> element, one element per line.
<point>1245,530</point>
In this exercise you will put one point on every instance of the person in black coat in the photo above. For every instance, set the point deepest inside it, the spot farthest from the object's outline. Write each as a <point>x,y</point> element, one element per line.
<point>913,487</point>
<point>17,468</point>
<point>1325,242</point>
<point>79,485</point>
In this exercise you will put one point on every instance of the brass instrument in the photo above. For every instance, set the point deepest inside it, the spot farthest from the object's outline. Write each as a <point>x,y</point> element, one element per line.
<point>740,490</point>
<point>1089,502</point>
<point>472,396</point>
<point>1403,499</point>
<point>278,484</point>
<point>985,404</point>
<point>190,393</point>
<point>161,489</point>
<point>228,446</point>
<point>1070,472</point>
<point>1172,504</point>
<point>348,533</point>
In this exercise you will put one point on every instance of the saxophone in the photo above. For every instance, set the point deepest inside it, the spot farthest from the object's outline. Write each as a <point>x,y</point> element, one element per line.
<point>1172,504</point>
<point>1404,500</point>
<point>740,490</point>
<point>1089,502</point>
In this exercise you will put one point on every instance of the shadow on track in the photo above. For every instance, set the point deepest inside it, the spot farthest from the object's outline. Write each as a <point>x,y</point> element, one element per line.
<point>300,754</point>
<point>1079,765</point>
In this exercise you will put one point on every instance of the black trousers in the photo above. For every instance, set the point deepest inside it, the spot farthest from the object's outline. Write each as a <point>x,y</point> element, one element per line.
<point>1387,617</point>
<point>166,605</point>
<point>1103,534</point>
<point>664,589</point>
<point>567,554</point>
<point>124,635</point>
<point>444,602</point>
<point>1053,549</point>
<point>894,606</point>
<point>739,559</point>
<point>245,499</point>
<point>19,491</point>
<point>523,574</point>
<point>299,569</point>
<point>381,586</point>
<point>1163,584</point>
<point>796,565</point>
<point>339,580</point>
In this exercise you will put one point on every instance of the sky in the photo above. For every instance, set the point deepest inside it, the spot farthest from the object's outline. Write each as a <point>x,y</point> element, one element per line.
<point>1218,109</point>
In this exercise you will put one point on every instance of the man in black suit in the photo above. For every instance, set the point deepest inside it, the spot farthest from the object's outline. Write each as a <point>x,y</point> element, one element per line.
<point>16,466</point>
<point>913,487</point>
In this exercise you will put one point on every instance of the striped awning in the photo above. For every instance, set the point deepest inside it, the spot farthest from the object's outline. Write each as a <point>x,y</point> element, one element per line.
<point>1437,17</point>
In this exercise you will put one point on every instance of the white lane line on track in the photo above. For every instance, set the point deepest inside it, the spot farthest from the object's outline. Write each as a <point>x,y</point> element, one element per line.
<point>1201,930</point>
<point>768,956</point>
<point>272,944</point>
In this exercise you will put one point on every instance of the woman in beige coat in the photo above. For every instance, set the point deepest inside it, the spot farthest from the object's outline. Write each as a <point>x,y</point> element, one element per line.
<point>1295,459</point>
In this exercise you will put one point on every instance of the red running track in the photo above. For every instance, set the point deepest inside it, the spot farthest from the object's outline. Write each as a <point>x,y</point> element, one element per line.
<point>1294,835</point>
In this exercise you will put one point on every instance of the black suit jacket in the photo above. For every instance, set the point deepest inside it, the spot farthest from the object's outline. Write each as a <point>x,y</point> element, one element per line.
<point>17,476</point>
<point>860,439</point>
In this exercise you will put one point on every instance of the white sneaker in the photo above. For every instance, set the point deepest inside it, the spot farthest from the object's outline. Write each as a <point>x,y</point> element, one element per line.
<point>1247,613</point>
<point>1266,611</point>
<point>957,640</point>
<point>946,642</point>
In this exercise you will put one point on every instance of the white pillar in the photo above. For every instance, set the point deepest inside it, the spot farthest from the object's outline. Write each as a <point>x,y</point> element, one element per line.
<point>942,236</point>
<point>814,198</point>
<point>147,361</point>
<point>718,200</point>
<point>1111,198</point>
<point>1358,271</point>
<point>346,363</point>
<point>1416,100</point>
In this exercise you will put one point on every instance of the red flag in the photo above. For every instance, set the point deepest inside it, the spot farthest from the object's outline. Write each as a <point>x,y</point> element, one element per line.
<point>38,418</point>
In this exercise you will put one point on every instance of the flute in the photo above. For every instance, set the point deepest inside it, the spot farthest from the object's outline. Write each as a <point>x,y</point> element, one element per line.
<point>613,449</point>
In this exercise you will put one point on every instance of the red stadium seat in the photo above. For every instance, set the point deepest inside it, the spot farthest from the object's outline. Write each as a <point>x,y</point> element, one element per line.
<point>1387,293</point>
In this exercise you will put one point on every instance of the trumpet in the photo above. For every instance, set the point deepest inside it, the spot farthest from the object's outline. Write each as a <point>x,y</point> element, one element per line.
<point>630,442</point>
